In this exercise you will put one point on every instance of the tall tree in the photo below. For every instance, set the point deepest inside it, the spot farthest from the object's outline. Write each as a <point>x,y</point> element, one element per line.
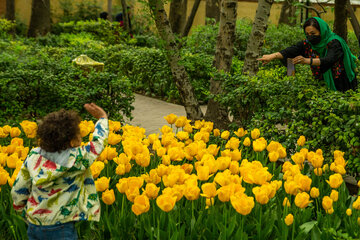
<point>109,9</point>
<point>354,21</point>
<point>10,10</point>
<point>287,14</point>
<point>223,59</point>
<point>213,9</point>
<point>340,23</point>
<point>125,15</point>
<point>177,15</point>
<point>180,77</point>
<point>40,18</point>
<point>191,17</point>
<point>257,36</point>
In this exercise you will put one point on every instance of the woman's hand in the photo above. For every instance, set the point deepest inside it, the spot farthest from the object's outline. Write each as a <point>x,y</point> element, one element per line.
<point>96,111</point>
<point>266,58</point>
<point>300,60</point>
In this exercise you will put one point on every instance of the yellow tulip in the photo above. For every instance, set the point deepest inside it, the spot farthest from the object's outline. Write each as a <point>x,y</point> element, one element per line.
<point>334,195</point>
<point>171,118</point>
<point>114,138</point>
<point>166,160</point>
<point>132,192</point>
<point>114,126</point>
<point>255,133</point>
<point>261,195</point>
<point>348,212</point>
<point>303,181</point>
<point>318,171</point>
<point>96,168</point>
<point>122,185</point>
<point>120,169</point>
<point>181,122</point>
<point>247,142</point>
<point>216,132</point>
<point>102,184</point>
<point>11,160</point>
<point>240,132</point>
<point>338,153</point>
<point>141,205</point>
<point>108,197</point>
<point>30,128</point>
<point>182,135</point>
<point>4,175</point>
<point>242,203</point>
<point>234,167</point>
<point>188,128</point>
<point>335,180</point>
<point>289,219</point>
<point>233,143</point>
<point>327,203</point>
<point>2,133</point>
<point>151,190</point>
<point>225,135</point>
<point>236,155</point>
<point>286,202</point>
<point>15,132</point>
<point>273,156</point>
<point>6,129</point>
<point>209,190</point>
<point>203,173</point>
<point>301,141</point>
<point>314,192</point>
<point>166,202</point>
<point>153,137</point>
<point>192,192</point>
<point>302,200</point>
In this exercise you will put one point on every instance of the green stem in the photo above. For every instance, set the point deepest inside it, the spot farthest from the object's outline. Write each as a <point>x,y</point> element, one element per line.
<point>259,225</point>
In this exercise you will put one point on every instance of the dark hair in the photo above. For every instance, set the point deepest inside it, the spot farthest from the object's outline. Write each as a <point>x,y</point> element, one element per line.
<point>104,15</point>
<point>119,17</point>
<point>312,22</point>
<point>57,130</point>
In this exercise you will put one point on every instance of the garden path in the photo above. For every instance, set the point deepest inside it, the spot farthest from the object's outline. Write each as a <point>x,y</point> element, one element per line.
<point>149,113</point>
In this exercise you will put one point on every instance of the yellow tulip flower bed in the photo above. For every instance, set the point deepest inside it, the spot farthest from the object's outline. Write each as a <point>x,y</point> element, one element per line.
<point>196,182</point>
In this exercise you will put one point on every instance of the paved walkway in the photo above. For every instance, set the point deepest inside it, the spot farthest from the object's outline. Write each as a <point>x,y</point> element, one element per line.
<point>149,113</point>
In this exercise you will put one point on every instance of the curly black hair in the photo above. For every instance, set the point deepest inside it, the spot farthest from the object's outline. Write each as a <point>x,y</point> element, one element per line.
<point>57,130</point>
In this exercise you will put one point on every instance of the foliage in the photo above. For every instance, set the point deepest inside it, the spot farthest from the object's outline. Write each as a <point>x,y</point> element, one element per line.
<point>106,31</point>
<point>285,107</point>
<point>84,10</point>
<point>36,80</point>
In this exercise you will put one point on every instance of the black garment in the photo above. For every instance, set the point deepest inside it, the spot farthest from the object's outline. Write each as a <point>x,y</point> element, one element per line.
<point>333,60</point>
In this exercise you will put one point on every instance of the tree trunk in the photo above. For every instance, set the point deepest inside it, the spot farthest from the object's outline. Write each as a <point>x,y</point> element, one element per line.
<point>125,15</point>
<point>213,9</point>
<point>109,9</point>
<point>40,18</point>
<point>223,59</point>
<point>340,23</point>
<point>10,10</point>
<point>287,14</point>
<point>257,36</point>
<point>177,15</point>
<point>191,18</point>
<point>354,21</point>
<point>180,76</point>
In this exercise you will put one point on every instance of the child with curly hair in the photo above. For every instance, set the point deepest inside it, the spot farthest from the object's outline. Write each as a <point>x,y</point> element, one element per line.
<point>54,187</point>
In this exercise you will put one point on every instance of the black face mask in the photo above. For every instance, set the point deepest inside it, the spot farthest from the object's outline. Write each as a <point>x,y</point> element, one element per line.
<point>314,39</point>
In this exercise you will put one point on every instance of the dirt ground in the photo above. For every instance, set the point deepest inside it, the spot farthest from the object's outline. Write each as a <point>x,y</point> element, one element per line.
<point>149,113</point>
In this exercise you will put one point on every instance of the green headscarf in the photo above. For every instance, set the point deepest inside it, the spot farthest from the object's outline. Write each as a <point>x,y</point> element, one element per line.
<point>349,59</point>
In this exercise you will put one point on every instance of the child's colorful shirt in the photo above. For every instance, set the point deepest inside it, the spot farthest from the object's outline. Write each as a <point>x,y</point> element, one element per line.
<point>55,188</point>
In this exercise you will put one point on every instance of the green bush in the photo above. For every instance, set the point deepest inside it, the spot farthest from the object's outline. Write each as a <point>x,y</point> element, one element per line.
<point>36,80</point>
<point>106,31</point>
<point>149,72</point>
<point>285,108</point>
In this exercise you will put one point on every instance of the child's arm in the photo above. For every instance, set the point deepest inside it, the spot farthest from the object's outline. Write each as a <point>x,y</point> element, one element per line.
<point>20,191</point>
<point>93,149</point>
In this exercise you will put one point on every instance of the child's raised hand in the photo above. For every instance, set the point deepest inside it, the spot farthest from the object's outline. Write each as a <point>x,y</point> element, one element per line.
<point>96,111</point>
